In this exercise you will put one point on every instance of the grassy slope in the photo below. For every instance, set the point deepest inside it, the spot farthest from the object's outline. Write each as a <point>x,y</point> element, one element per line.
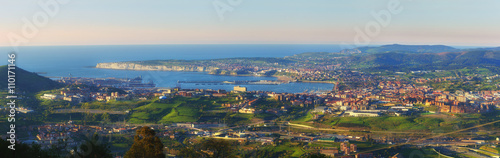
<point>152,112</point>
<point>289,149</point>
<point>184,109</point>
<point>181,113</point>
<point>388,123</point>
<point>429,122</point>
<point>305,118</point>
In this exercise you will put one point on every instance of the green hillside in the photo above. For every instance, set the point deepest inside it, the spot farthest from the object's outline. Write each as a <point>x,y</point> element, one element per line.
<point>408,57</point>
<point>27,81</point>
<point>394,57</point>
<point>411,61</point>
<point>403,48</point>
<point>178,109</point>
<point>187,109</point>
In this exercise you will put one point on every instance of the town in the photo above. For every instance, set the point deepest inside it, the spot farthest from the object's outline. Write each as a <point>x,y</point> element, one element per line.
<point>265,118</point>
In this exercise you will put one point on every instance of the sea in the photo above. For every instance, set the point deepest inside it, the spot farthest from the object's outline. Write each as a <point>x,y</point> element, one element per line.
<point>79,61</point>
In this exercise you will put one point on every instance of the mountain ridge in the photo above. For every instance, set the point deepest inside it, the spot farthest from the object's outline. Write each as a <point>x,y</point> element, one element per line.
<point>401,48</point>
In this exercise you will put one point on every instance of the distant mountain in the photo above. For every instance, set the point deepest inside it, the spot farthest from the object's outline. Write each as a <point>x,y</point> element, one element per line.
<point>27,81</point>
<point>402,49</point>
<point>444,60</point>
<point>388,57</point>
<point>477,57</point>
<point>491,49</point>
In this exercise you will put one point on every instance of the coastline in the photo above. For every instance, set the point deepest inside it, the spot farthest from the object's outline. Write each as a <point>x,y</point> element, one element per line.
<point>331,82</point>
<point>134,66</point>
<point>208,70</point>
<point>138,67</point>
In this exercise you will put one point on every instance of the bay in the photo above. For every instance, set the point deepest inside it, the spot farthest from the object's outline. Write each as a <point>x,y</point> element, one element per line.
<point>78,61</point>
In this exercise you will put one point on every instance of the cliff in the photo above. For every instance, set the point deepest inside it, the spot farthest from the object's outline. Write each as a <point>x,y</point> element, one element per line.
<point>135,66</point>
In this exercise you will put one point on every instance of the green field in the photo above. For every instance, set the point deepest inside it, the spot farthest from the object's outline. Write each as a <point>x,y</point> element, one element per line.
<point>119,143</point>
<point>386,123</point>
<point>114,105</point>
<point>490,149</point>
<point>439,123</point>
<point>324,144</point>
<point>425,152</point>
<point>282,150</point>
<point>239,118</point>
<point>182,113</point>
<point>185,109</point>
<point>153,112</point>
<point>306,118</point>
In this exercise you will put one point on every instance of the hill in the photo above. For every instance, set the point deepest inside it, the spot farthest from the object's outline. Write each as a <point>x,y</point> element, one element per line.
<point>393,57</point>
<point>407,57</point>
<point>491,49</point>
<point>422,61</point>
<point>402,48</point>
<point>27,81</point>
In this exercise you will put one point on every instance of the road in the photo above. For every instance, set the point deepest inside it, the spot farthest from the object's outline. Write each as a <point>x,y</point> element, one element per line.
<point>345,130</point>
<point>482,151</point>
<point>93,111</point>
<point>466,152</point>
<point>240,126</point>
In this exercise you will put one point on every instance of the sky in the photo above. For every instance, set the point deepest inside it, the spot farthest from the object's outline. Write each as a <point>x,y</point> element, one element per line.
<point>125,22</point>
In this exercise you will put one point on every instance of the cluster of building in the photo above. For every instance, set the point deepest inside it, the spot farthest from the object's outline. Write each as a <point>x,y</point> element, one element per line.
<point>449,78</point>
<point>67,136</point>
<point>394,93</point>
<point>79,95</point>
<point>345,149</point>
<point>125,84</point>
<point>62,135</point>
<point>59,135</point>
<point>389,97</point>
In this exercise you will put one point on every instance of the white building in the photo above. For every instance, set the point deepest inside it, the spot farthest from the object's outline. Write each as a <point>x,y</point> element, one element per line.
<point>50,96</point>
<point>356,113</point>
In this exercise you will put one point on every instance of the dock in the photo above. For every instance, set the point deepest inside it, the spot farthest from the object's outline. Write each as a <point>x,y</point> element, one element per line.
<point>243,82</point>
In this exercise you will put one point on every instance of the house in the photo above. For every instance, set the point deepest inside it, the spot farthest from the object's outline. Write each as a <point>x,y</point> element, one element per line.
<point>364,113</point>
<point>364,155</point>
<point>319,109</point>
<point>247,110</point>
<point>240,89</point>
<point>265,140</point>
<point>50,96</point>
<point>219,94</point>
<point>329,152</point>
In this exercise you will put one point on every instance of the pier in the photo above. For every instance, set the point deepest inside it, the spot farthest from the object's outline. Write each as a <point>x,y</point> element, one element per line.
<point>255,82</point>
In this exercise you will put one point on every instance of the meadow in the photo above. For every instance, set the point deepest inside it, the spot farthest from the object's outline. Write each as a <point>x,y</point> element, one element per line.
<point>187,109</point>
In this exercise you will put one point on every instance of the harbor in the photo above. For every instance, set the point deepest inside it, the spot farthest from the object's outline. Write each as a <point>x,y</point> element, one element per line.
<point>241,82</point>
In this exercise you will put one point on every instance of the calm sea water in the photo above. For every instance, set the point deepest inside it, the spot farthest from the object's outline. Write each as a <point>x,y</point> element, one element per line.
<point>78,60</point>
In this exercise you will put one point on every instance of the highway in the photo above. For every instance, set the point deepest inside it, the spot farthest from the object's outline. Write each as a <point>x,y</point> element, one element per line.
<point>476,150</point>
<point>466,152</point>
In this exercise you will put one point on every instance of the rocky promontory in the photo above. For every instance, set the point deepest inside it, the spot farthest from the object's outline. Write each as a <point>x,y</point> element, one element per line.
<point>140,67</point>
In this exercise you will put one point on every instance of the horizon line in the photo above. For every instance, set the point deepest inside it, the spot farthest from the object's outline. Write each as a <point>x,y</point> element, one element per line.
<point>345,44</point>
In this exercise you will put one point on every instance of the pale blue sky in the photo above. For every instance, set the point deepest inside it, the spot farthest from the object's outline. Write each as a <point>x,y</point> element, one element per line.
<point>93,22</point>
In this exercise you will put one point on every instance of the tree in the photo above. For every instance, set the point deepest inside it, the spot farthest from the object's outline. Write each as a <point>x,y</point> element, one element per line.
<point>190,152</point>
<point>92,148</point>
<point>317,155</point>
<point>219,148</point>
<point>23,150</point>
<point>146,145</point>
<point>210,148</point>
<point>105,118</point>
